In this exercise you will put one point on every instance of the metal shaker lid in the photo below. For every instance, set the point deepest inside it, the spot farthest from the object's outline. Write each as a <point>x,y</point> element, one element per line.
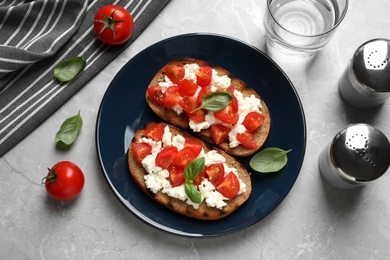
<point>371,65</point>
<point>360,152</point>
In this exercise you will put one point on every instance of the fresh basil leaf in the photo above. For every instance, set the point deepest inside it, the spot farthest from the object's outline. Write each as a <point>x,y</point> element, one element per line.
<point>269,160</point>
<point>194,168</point>
<point>215,101</point>
<point>68,70</point>
<point>69,130</point>
<point>192,192</point>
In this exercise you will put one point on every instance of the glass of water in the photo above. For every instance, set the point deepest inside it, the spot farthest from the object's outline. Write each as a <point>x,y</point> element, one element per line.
<point>302,27</point>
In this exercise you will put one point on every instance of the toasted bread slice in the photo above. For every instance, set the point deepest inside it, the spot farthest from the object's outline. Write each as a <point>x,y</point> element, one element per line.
<point>203,212</point>
<point>182,120</point>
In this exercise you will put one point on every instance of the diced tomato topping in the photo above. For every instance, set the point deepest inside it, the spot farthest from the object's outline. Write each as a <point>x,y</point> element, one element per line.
<point>203,92</point>
<point>215,173</point>
<point>155,131</point>
<point>171,97</point>
<point>189,104</point>
<point>227,114</point>
<point>201,176</point>
<point>174,72</point>
<point>194,145</point>
<point>203,76</point>
<point>176,175</point>
<point>156,94</point>
<point>140,151</point>
<point>230,186</point>
<point>252,121</point>
<point>198,116</point>
<point>231,89</point>
<point>247,139</point>
<point>184,157</point>
<point>234,104</point>
<point>166,156</point>
<point>219,133</point>
<point>187,87</point>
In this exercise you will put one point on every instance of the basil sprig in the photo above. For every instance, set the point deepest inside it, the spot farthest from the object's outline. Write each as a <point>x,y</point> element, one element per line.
<point>269,160</point>
<point>215,101</point>
<point>68,70</point>
<point>191,171</point>
<point>69,130</point>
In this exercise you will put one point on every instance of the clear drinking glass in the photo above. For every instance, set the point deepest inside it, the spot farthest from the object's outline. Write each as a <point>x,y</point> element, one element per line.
<point>302,27</point>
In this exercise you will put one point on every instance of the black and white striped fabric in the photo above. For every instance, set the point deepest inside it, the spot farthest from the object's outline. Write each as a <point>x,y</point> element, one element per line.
<point>35,35</point>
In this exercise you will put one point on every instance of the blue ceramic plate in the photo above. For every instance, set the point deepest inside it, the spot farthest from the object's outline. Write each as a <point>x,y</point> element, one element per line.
<point>123,110</point>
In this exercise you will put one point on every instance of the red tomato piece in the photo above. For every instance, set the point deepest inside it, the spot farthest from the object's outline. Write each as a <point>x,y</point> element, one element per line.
<point>252,121</point>
<point>219,133</point>
<point>156,94</point>
<point>189,104</point>
<point>174,72</point>
<point>166,156</point>
<point>247,139</point>
<point>194,145</point>
<point>201,176</point>
<point>64,181</point>
<point>227,114</point>
<point>187,87</point>
<point>184,157</point>
<point>203,92</point>
<point>230,186</point>
<point>155,131</point>
<point>171,97</point>
<point>215,173</point>
<point>113,24</point>
<point>198,116</point>
<point>203,76</point>
<point>140,151</point>
<point>176,175</point>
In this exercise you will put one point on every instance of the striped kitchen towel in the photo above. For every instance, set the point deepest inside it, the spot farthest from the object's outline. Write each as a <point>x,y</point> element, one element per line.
<point>35,35</point>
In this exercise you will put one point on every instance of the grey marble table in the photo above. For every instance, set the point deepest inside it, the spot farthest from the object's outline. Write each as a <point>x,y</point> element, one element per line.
<point>315,221</point>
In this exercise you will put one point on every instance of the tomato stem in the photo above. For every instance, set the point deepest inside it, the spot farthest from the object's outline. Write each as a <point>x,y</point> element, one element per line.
<point>51,177</point>
<point>109,22</point>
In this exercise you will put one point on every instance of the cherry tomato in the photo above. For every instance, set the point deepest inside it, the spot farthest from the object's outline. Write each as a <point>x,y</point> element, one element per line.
<point>215,173</point>
<point>155,93</point>
<point>252,121</point>
<point>198,116</point>
<point>227,114</point>
<point>174,72</point>
<point>140,151</point>
<point>203,92</point>
<point>247,139</point>
<point>155,131</point>
<point>64,181</point>
<point>166,156</point>
<point>113,25</point>
<point>189,104</point>
<point>176,175</point>
<point>184,157</point>
<point>201,176</point>
<point>194,145</point>
<point>219,133</point>
<point>203,76</point>
<point>187,87</point>
<point>171,97</point>
<point>230,186</point>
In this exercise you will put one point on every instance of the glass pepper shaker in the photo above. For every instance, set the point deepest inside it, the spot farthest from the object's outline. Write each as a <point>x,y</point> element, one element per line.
<point>365,83</point>
<point>357,155</point>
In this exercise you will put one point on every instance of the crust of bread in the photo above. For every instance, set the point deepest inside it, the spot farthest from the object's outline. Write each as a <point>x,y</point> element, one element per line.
<point>203,212</point>
<point>182,120</point>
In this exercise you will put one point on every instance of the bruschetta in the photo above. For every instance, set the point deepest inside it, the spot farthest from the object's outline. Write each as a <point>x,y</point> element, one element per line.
<point>186,174</point>
<point>211,102</point>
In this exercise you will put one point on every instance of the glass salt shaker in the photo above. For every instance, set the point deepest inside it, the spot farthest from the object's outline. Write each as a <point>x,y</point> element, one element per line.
<point>358,154</point>
<point>365,83</point>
